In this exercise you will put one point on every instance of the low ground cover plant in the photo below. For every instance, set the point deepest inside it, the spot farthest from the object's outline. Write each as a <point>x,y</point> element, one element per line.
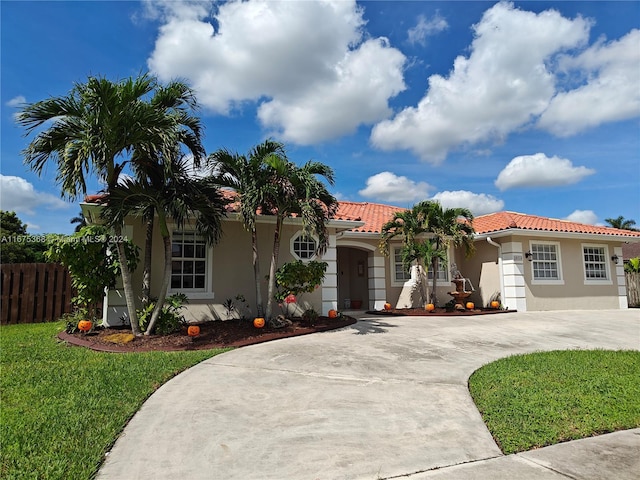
<point>63,406</point>
<point>535,400</point>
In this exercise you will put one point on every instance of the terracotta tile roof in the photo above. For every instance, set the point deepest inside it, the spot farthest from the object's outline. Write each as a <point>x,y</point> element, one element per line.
<point>495,222</point>
<point>374,215</point>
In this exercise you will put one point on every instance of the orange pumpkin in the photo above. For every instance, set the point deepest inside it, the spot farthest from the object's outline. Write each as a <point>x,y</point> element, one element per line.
<point>495,304</point>
<point>258,322</point>
<point>85,325</point>
<point>333,313</point>
<point>430,307</point>
<point>193,330</point>
<point>470,306</point>
<point>387,306</point>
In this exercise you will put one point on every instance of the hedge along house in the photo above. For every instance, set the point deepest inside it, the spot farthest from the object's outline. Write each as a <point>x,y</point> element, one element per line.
<point>529,262</point>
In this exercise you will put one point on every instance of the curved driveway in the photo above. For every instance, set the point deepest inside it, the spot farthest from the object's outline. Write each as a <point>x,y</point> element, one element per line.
<point>386,397</point>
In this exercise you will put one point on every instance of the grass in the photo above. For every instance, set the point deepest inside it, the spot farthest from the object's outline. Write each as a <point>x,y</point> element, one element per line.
<point>62,407</point>
<point>539,399</point>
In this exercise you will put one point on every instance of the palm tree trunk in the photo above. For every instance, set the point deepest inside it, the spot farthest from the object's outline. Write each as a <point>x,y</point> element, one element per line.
<point>434,298</point>
<point>256,272</point>
<point>162,295</point>
<point>146,274</point>
<point>273,267</point>
<point>127,284</point>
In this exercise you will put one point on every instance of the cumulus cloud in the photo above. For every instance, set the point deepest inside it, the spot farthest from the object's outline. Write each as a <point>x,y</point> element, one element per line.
<point>426,28</point>
<point>18,195</point>
<point>478,203</point>
<point>583,216</point>
<point>610,94</point>
<point>389,187</point>
<point>540,171</point>
<point>503,85</point>
<point>307,65</point>
<point>16,101</point>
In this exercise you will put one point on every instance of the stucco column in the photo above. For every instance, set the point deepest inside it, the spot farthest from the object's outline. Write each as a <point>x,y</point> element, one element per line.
<point>330,283</point>
<point>377,281</point>
<point>623,302</point>
<point>515,295</point>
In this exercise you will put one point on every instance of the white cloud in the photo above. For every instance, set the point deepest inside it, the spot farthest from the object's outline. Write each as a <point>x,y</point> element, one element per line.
<point>304,63</point>
<point>610,94</point>
<point>501,86</point>
<point>538,170</point>
<point>478,203</point>
<point>583,216</point>
<point>18,195</point>
<point>16,101</point>
<point>426,28</point>
<point>389,187</point>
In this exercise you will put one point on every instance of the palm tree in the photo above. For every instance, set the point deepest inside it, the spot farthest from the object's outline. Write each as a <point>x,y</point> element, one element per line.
<point>248,176</point>
<point>621,223</point>
<point>169,193</point>
<point>411,226</point>
<point>451,226</point>
<point>294,190</point>
<point>80,221</point>
<point>91,130</point>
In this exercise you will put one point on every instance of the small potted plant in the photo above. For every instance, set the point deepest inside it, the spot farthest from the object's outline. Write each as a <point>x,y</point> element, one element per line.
<point>310,317</point>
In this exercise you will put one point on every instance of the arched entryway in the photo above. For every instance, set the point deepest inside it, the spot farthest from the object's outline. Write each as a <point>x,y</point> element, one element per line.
<point>353,278</point>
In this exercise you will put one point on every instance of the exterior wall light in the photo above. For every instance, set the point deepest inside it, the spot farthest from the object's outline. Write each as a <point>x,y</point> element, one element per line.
<point>529,256</point>
<point>614,258</point>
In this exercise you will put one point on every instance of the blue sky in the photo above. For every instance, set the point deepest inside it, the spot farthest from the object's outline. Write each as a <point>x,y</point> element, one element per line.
<point>531,107</point>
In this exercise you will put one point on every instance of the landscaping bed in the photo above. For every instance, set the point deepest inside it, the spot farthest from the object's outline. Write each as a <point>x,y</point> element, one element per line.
<point>214,334</point>
<point>421,312</point>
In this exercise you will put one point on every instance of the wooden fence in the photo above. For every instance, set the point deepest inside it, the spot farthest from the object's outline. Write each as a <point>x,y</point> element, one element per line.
<point>35,292</point>
<point>633,288</point>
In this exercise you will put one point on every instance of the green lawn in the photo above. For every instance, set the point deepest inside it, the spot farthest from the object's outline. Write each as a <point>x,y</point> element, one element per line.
<point>534,400</point>
<point>61,407</point>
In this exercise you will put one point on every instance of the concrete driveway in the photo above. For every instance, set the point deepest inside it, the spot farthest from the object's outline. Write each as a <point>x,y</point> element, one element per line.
<point>384,398</point>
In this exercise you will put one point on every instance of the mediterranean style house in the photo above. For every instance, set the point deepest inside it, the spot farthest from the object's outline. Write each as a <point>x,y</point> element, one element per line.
<point>525,261</point>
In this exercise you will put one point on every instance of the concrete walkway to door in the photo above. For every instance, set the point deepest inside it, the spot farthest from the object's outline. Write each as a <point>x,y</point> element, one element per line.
<point>384,398</point>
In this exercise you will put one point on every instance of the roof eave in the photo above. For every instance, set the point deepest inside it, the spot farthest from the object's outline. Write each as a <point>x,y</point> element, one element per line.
<point>555,234</point>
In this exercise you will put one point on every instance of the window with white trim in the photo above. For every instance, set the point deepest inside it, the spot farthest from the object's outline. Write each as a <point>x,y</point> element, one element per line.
<point>545,262</point>
<point>304,246</point>
<point>443,271</point>
<point>595,264</point>
<point>400,273</point>
<point>188,262</point>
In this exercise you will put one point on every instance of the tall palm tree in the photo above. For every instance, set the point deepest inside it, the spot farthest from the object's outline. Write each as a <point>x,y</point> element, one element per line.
<point>411,226</point>
<point>169,193</point>
<point>450,226</point>
<point>91,131</point>
<point>295,190</point>
<point>248,175</point>
<point>621,223</point>
<point>80,222</point>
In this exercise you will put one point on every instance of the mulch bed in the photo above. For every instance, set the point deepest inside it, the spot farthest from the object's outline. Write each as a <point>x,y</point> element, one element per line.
<point>438,312</point>
<point>215,334</point>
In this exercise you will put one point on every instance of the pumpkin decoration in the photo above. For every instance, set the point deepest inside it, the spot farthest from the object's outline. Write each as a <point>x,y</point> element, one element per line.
<point>470,306</point>
<point>387,306</point>
<point>333,313</point>
<point>85,325</point>
<point>430,307</point>
<point>258,322</point>
<point>193,330</point>
<point>495,304</point>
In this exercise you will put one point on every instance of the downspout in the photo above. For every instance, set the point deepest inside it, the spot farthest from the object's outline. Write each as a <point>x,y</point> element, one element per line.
<point>500,270</point>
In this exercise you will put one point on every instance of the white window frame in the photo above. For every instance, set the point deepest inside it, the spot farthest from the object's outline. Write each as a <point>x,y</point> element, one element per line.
<point>446,268</point>
<point>395,250</point>
<point>196,293</point>
<point>294,239</point>
<point>558,260</point>
<point>606,259</point>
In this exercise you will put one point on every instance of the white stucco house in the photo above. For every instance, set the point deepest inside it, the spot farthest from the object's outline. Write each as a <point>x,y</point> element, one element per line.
<point>529,262</point>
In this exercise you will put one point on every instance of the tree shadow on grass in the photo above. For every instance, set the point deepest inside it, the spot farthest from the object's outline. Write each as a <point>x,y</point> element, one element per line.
<point>368,326</point>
